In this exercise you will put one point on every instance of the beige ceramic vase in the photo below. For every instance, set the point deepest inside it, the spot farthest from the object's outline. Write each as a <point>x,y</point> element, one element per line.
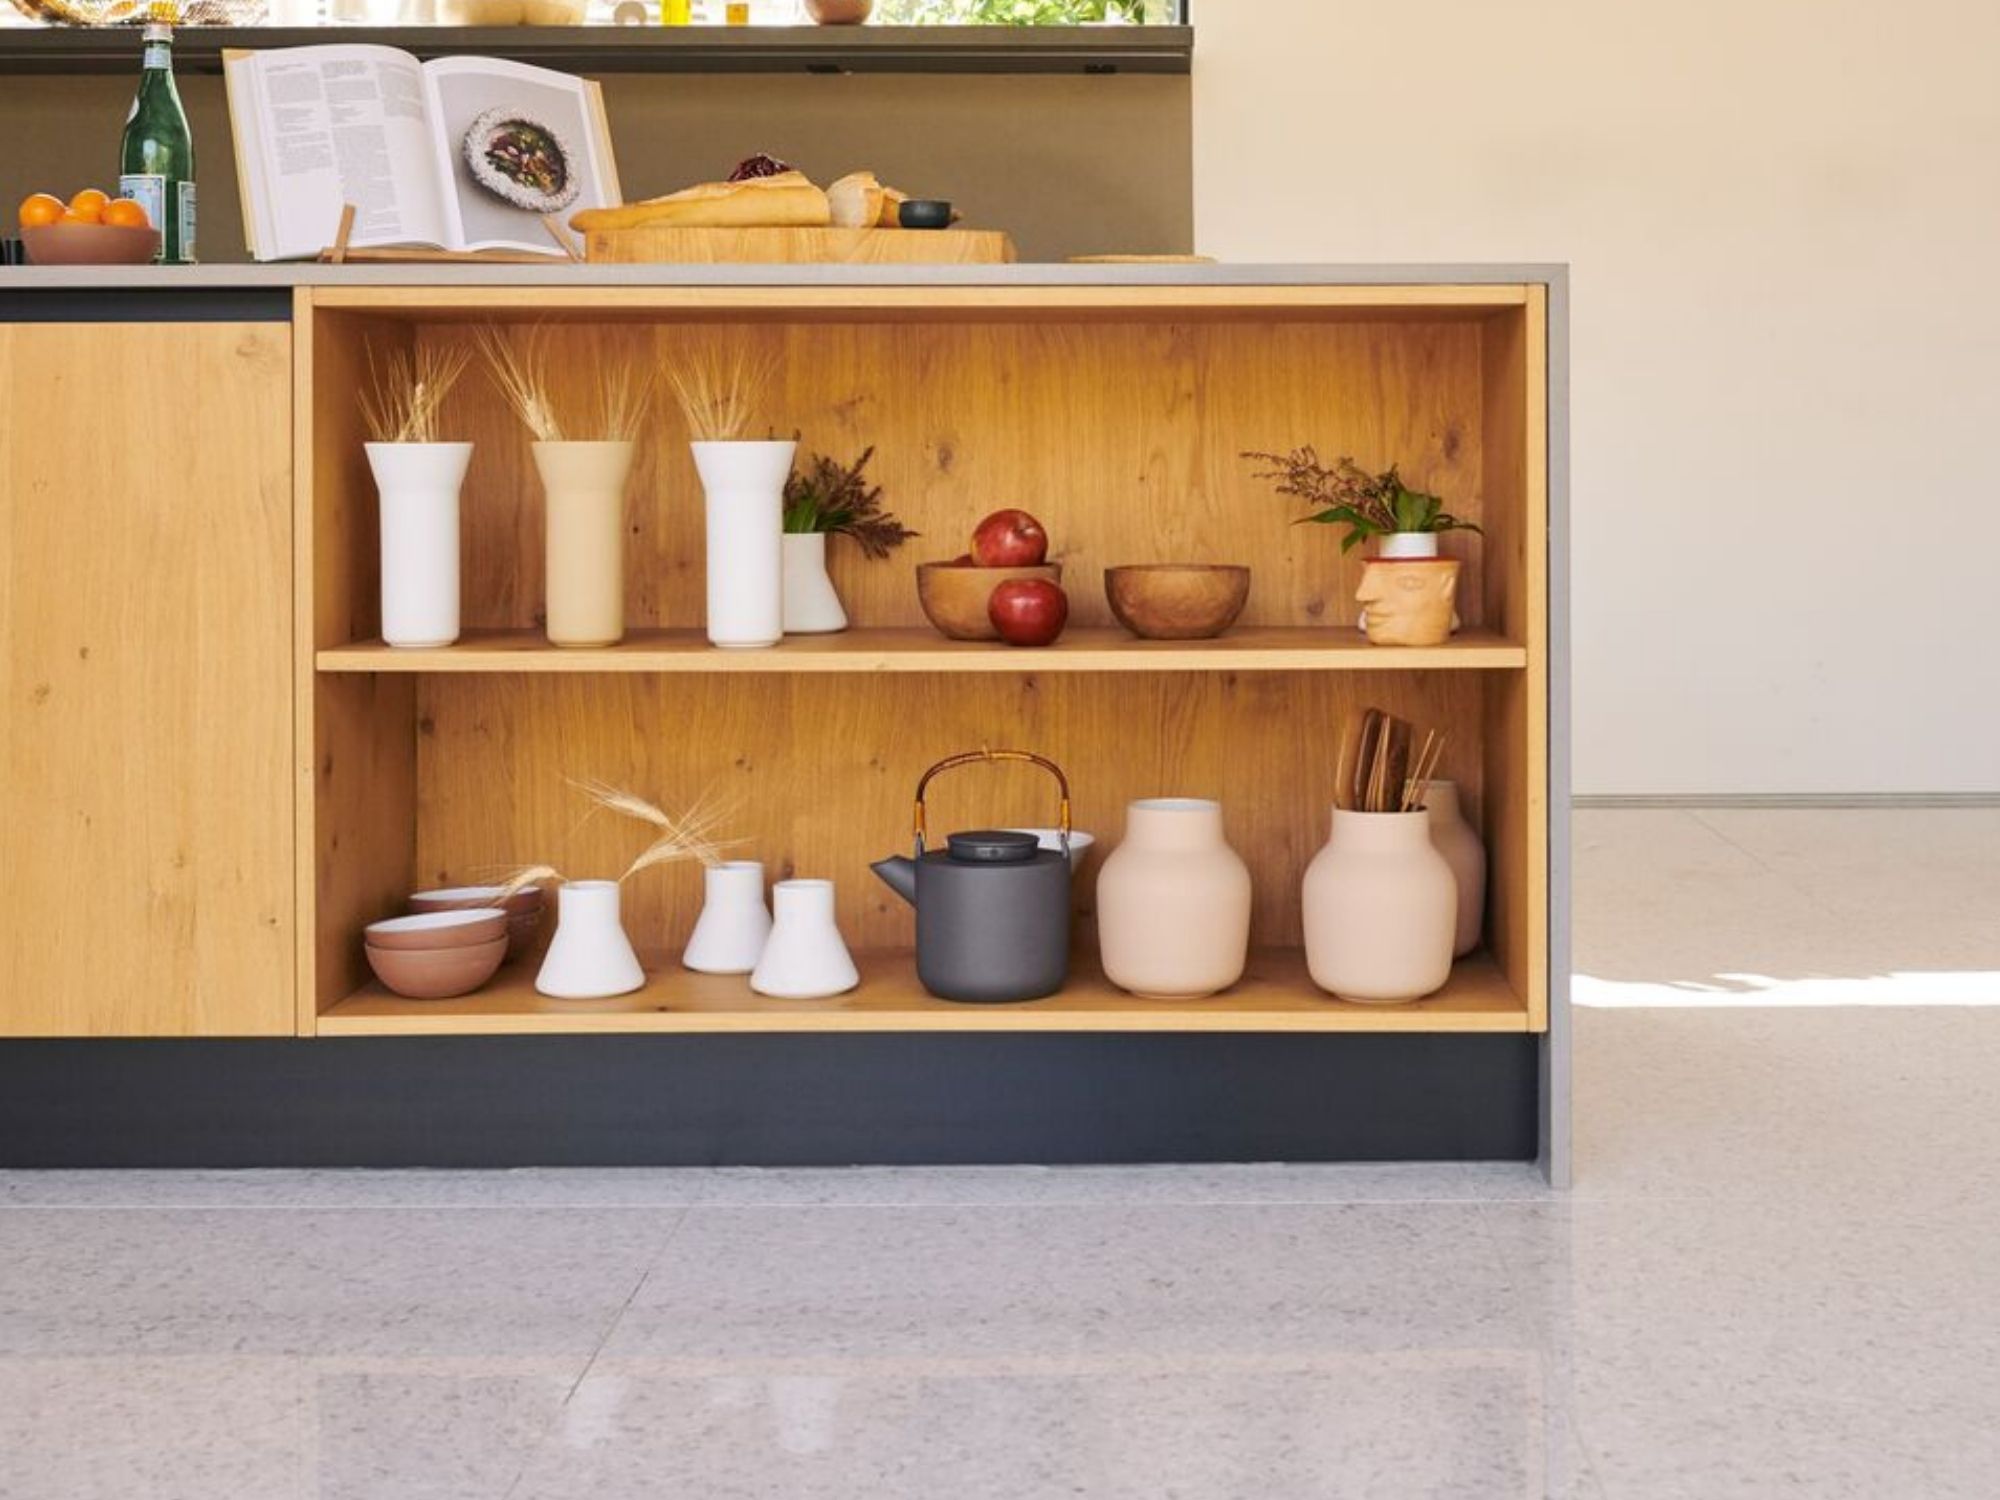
<point>1173,902</point>
<point>583,486</point>
<point>1381,909</point>
<point>1460,846</point>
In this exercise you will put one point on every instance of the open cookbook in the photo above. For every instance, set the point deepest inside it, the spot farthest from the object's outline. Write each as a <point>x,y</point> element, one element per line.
<point>459,153</point>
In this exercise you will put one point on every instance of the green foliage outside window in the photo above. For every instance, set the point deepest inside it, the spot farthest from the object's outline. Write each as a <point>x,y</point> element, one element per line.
<point>1022,12</point>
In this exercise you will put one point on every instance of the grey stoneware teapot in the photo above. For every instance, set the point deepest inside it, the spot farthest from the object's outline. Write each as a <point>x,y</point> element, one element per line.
<point>992,905</point>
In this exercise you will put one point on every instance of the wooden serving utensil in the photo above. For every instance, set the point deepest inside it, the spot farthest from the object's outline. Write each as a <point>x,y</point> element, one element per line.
<point>1368,743</point>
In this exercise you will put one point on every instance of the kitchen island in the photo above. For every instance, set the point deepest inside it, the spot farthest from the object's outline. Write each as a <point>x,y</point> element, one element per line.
<point>220,774</point>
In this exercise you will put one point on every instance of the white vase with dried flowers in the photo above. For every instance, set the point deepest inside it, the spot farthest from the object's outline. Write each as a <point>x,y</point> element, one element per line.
<point>824,499</point>
<point>583,451</point>
<point>743,484</point>
<point>417,480</point>
<point>591,958</point>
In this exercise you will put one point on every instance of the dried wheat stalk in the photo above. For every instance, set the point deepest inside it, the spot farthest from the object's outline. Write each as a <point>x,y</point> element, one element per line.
<point>614,411</point>
<point>687,836</point>
<point>405,393</point>
<point>717,396</point>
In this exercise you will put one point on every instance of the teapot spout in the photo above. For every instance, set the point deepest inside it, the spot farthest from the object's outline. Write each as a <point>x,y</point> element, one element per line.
<point>899,873</point>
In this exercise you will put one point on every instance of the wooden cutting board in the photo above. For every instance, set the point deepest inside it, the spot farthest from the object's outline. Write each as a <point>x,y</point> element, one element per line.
<point>902,247</point>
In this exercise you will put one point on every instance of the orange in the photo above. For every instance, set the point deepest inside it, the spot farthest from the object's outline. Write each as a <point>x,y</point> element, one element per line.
<point>38,209</point>
<point>88,205</point>
<point>127,214</point>
<point>72,217</point>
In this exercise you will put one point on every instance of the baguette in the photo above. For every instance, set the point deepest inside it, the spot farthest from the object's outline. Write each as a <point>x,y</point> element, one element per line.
<point>787,200</point>
<point>856,201</point>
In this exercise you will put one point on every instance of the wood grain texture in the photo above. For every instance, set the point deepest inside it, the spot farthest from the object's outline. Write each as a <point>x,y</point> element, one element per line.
<point>821,772</point>
<point>1124,438</point>
<point>1274,995</point>
<point>854,247</point>
<point>917,648</point>
<point>145,664</point>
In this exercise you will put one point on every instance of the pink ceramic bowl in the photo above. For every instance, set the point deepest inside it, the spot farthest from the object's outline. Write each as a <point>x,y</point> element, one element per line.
<point>437,973</point>
<point>435,931</point>
<point>90,244</point>
<point>523,908</point>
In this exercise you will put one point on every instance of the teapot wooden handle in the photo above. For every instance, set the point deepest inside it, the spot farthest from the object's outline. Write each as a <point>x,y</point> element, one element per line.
<point>971,757</point>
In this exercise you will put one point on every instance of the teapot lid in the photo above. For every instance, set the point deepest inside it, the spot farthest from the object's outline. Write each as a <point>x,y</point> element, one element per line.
<point>993,846</point>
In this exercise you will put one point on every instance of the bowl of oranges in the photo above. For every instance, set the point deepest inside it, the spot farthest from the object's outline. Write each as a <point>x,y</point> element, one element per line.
<point>92,229</point>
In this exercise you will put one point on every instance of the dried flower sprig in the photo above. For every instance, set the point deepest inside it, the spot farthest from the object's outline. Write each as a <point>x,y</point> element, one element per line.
<point>827,497</point>
<point>615,412</point>
<point>686,836</point>
<point>405,392</point>
<point>718,396</point>
<point>1348,495</point>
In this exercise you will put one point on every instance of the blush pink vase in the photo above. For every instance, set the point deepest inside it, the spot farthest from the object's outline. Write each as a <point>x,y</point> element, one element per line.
<point>1173,902</point>
<point>1462,850</point>
<point>1381,909</point>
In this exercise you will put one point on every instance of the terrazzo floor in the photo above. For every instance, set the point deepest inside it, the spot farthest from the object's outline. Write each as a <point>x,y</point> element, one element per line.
<point>1776,1275</point>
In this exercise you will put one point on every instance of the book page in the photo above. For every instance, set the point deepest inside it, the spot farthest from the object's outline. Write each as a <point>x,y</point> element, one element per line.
<point>334,125</point>
<point>540,147</point>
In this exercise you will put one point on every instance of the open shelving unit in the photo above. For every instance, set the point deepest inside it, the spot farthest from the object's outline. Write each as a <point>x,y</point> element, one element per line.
<point>1115,413</point>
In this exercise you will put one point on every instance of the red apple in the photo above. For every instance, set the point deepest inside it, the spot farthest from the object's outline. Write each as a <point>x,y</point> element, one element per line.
<point>1028,611</point>
<point>964,560</point>
<point>1010,539</point>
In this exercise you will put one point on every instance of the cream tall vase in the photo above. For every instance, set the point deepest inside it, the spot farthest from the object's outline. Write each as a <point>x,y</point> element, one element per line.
<point>418,484</point>
<point>1173,902</point>
<point>743,485</point>
<point>1381,909</point>
<point>583,489</point>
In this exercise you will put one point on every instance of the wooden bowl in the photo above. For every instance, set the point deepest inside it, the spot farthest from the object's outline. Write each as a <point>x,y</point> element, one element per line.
<point>954,595</point>
<point>90,245</point>
<point>839,12</point>
<point>440,973</point>
<point>437,931</point>
<point>1177,601</point>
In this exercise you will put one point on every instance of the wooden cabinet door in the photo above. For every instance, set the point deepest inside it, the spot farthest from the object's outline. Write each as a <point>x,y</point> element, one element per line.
<point>145,665</point>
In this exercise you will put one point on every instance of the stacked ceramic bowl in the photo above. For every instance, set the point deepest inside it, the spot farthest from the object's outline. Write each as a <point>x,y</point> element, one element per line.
<point>438,954</point>
<point>523,909</point>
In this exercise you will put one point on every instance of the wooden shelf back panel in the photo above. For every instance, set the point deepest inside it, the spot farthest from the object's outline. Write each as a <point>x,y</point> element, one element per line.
<point>1124,439</point>
<point>1275,995</point>
<point>906,648</point>
<point>821,772</point>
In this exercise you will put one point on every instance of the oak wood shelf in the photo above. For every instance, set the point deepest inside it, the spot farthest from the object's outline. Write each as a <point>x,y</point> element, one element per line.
<point>920,649</point>
<point>1276,994</point>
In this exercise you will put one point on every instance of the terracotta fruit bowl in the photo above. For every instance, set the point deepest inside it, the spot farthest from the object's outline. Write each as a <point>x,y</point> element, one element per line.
<point>90,244</point>
<point>439,973</point>
<point>524,909</point>
<point>1177,601</point>
<point>954,595</point>
<point>437,931</point>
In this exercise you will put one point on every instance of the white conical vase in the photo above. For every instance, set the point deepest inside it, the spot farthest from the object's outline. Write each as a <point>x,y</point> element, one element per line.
<point>804,958</point>
<point>729,935</point>
<point>743,485</point>
<point>590,958</point>
<point>418,484</point>
<point>583,489</point>
<point>811,605</point>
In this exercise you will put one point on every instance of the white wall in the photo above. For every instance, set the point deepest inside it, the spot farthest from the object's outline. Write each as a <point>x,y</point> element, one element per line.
<point>1782,219</point>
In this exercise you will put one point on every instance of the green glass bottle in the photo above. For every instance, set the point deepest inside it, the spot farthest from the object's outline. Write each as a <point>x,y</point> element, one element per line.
<point>156,161</point>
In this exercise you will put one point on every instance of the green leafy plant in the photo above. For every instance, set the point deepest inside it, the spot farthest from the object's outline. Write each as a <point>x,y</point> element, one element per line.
<point>827,496</point>
<point>1348,495</point>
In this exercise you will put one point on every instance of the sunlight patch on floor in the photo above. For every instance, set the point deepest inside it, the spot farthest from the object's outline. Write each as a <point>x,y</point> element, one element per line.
<point>1973,987</point>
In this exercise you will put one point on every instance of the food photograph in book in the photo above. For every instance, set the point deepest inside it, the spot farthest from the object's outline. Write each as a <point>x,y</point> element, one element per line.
<point>518,149</point>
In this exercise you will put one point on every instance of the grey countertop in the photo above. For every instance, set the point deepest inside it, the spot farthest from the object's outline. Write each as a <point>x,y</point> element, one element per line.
<point>167,279</point>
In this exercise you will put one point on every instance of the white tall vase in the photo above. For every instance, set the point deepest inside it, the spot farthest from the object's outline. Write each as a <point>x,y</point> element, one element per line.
<point>744,489</point>
<point>583,528</point>
<point>590,958</point>
<point>729,935</point>
<point>804,959</point>
<point>418,484</point>
<point>811,605</point>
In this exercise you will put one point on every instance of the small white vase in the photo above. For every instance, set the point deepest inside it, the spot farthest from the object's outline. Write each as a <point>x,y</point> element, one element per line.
<point>729,935</point>
<point>583,528</point>
<point>1380,909</point>
<point>1407,544</point>
<point>590,957</point>
<point>418,484</point>
<point>811,605</point>
<point>743,486</point>
<point>804,959</point>
<point>1455,839</point>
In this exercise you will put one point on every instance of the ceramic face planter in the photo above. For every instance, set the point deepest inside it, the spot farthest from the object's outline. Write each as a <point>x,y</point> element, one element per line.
<point>1410,602</point>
